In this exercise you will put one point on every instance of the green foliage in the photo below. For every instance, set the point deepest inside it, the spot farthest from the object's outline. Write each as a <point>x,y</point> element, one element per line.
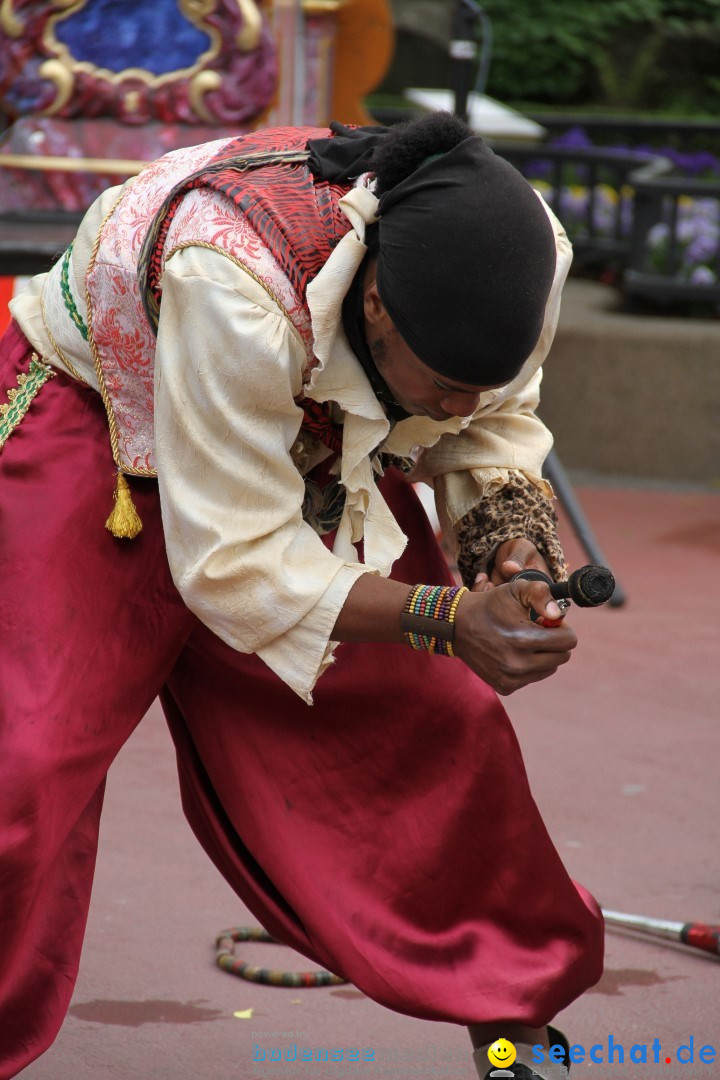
<point>629,53</point>
<point>624,53</point>
<point>553,50</point>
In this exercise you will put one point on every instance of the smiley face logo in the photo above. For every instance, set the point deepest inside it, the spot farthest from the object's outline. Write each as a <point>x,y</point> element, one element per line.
<point>502,1053</point>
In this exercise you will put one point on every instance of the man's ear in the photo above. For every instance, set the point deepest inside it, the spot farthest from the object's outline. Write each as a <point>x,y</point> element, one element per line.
<point>373,307</point>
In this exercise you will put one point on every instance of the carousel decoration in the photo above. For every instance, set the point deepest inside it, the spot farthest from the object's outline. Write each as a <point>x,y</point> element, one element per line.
<point>190,61</point>
<point>93,89</point>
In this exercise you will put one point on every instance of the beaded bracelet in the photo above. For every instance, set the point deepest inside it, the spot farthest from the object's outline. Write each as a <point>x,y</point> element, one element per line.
<point>428,618</point>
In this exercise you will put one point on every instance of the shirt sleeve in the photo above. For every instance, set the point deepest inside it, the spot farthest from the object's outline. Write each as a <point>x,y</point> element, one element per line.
<point>229,364</point>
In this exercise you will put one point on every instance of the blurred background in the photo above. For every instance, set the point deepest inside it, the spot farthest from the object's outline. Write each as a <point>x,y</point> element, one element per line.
<point>610,109</point>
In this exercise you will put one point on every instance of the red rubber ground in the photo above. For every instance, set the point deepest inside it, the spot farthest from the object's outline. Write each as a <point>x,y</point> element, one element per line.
<point>622,751</point>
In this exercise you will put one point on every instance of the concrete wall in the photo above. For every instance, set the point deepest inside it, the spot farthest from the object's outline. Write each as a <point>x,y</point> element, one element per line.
<point>635,395</point>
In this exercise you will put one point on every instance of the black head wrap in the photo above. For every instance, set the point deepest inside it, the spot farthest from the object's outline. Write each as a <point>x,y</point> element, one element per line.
<point>466,257</point>
<point>347,155</point>
<point>466,262</point>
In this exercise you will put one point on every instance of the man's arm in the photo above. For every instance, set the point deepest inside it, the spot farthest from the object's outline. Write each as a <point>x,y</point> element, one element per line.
<point>243,559</point>
<point>494,634</point>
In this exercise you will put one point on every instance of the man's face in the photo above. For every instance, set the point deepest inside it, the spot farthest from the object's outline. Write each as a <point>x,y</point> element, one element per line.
<point>417,388</point>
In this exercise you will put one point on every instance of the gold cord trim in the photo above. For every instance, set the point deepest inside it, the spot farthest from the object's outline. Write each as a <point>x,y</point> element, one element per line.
<point>61,355</point>
<point>112,421</point>
<point>213,247</point>
<point>19,397</point>
<point>124,521</point>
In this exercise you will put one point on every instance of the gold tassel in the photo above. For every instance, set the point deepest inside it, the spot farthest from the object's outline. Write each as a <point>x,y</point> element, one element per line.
<point>124,521</point>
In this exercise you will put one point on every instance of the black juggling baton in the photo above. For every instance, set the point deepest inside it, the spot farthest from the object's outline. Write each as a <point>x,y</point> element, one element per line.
<point>589,586</point>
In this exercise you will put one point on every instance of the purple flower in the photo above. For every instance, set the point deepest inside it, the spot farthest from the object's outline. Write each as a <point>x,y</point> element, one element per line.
<point>692,163</point>
<point>703,275</point>
<point>538,170</point>
<point>575,137</point>
<point>658,235</point>
<point>686,231</point>
<point>604,217</point>
<point>573,202</point>
<point>703,247</point>
<point>708,210</point>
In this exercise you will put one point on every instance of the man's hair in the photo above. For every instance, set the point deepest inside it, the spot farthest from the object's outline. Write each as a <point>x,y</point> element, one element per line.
<point>406,146</point>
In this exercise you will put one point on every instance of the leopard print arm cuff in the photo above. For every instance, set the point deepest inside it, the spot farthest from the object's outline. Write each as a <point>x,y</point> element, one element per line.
<point>518,509</point>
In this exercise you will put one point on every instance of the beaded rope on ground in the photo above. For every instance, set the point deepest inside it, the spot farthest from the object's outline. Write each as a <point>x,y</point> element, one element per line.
<point>225,958</point>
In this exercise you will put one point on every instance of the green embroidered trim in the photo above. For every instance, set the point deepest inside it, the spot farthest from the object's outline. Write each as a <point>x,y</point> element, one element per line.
<point>19,397</point>
<point>68,297</point>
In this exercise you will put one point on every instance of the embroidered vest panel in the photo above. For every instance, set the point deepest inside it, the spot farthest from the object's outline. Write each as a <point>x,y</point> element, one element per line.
<point>207,218</point>
<point>265,174</point>
<point>235,195</point>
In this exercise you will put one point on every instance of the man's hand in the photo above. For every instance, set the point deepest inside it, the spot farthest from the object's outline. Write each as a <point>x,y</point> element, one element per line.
<point>494,634</point>
<point>510,558</point>
<point>497,639</point>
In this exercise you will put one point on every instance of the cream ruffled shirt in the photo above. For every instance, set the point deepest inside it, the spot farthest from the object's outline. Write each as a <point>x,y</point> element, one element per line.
<point>228,368</point>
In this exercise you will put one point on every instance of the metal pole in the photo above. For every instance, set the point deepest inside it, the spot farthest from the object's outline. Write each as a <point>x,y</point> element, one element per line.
<point>560,481</point>
<point>463,53</point>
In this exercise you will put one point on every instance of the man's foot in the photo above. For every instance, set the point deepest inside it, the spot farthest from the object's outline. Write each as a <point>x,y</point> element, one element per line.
<point>523,1066</point>
<point>525,1072</point>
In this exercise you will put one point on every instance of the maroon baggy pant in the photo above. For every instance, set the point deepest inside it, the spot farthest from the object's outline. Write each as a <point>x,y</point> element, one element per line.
<point>388,832</point>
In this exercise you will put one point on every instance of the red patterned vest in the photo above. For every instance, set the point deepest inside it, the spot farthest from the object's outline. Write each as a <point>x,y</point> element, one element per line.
<point>252,198</point>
